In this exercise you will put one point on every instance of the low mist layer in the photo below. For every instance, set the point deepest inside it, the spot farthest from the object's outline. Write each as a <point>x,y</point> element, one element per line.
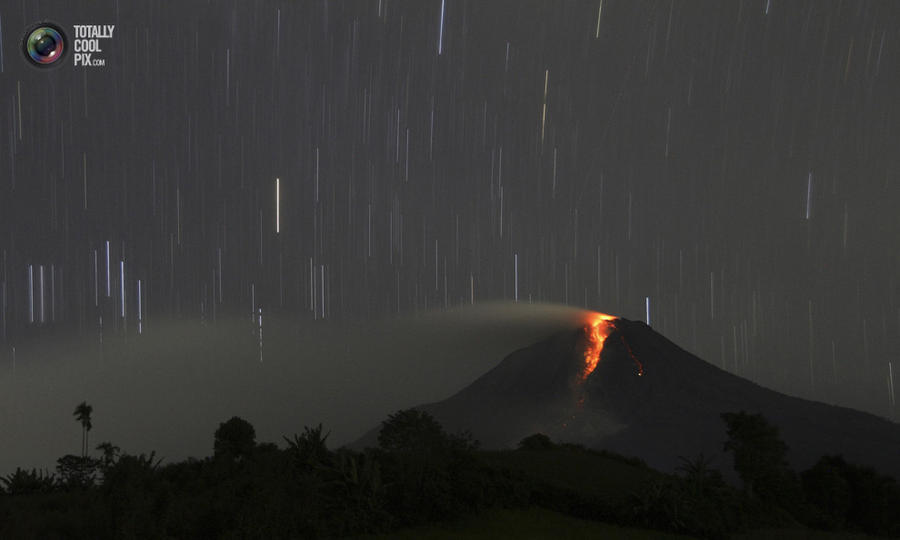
<point>168,389</point>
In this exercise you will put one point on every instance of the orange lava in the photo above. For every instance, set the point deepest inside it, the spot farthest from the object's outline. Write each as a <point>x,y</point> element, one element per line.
<point>598,328</point>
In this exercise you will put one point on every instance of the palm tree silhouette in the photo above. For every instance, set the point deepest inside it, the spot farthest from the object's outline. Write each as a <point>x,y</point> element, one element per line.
<point>83,414</point>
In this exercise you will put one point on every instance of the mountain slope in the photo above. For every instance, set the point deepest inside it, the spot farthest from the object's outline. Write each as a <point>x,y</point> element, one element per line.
<point>648,398</point>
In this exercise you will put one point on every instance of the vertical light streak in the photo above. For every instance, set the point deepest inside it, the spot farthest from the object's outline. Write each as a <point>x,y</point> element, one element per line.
<point>517,276</point>
<point>227,75</point>
<point>52,293</point>
<point>41,293</point>
<point>844,235</point>
<point>441,32</point>
<point>1,44</point>
<point>122,288</point>
<point>260,334</point>
<point>140,310</point>
<point>544,113</point>
<point>647,307</point>
<point>312,288</point>
<point>808,194</point>
<point>599,11</point>
<point>107,270</point>
<point>891,386</point>
<point>277,31</point>
<point>30,294</point>
<point>278,204</point>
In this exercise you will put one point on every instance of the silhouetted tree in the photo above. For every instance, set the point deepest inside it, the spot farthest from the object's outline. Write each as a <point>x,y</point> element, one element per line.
<point>133,493</point>
<point>759,452</point>
<point>538,441</point>
<point>234,439</point>
<point>699,475</point>
<point>410,429</point>
<point>426,467</point>
<point>760,458</point>
<point>24,482</point>
<point>83,414</point>
<point>852,495</point>
<point>308,449</point>
<point>111,454</point>
<point>76,472</point>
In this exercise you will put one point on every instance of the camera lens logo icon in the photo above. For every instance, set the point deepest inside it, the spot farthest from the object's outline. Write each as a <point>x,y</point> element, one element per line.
<point>45,45</point>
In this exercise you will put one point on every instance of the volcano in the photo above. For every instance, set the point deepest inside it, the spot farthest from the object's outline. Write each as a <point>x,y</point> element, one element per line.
<point>619,385</point>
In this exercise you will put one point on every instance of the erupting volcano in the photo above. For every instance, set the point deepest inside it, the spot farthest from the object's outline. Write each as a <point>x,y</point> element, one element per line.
<point>597,329</point>
<point>599,326</point>
<point>588,386</point>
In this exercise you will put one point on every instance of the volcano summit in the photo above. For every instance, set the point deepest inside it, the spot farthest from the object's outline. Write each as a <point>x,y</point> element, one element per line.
<point>619,385</point>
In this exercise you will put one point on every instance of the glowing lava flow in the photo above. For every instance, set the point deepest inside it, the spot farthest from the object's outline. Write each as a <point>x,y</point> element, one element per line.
<point>597,329</point>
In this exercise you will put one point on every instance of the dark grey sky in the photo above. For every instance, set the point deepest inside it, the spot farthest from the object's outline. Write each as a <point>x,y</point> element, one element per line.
<point>735,162</point>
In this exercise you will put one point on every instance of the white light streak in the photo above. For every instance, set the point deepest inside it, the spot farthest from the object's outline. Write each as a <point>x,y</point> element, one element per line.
<point>544,112</point>
<point>441,33</point>
<point>122,287</point>
<point>599,11</point>
<point>30,294</point>
<point>140,311</point>
<point>107,269</point>
<point>808,194</point>
<point>517,276</point>
<point>53,292</point>
<point>260,334</point>
<point>278,204</point>
<point>647,306</point>
<point>41,293</point>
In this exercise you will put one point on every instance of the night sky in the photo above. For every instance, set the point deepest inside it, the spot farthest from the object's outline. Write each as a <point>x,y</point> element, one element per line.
<point>733,165</point>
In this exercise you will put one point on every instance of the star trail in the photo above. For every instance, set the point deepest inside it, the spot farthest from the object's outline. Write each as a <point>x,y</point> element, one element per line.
<point>734,163</point>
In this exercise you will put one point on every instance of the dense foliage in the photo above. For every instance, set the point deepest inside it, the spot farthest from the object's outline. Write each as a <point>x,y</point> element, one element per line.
<point>420,474</point>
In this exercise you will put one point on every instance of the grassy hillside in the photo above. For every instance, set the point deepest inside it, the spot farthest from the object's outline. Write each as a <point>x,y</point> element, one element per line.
<point>534,522</point>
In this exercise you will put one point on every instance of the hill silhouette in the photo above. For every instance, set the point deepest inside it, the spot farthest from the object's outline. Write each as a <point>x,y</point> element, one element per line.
<point>651,399</point>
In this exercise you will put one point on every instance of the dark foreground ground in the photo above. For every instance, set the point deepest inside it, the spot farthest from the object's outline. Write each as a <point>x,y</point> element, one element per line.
<point>422,482</point>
